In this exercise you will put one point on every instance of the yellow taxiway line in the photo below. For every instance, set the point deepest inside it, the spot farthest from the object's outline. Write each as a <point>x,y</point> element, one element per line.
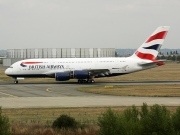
<point>48,90</point>
<point>8,94</point>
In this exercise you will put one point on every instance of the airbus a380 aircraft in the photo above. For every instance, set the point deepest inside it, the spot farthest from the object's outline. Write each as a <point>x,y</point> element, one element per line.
<point>85,69</point>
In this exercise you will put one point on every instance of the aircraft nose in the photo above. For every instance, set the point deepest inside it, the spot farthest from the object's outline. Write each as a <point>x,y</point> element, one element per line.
<point>7,71</point>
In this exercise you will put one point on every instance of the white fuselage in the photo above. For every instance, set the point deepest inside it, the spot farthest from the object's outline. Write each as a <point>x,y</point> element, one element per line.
<point>50,66</point>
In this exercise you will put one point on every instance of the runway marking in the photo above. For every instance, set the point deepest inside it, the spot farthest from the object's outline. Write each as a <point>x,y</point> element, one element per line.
<point>111,86</point>
<point>8,94</point>
<point>48,90</point>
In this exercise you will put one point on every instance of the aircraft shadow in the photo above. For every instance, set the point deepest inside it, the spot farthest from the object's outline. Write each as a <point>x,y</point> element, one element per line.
<point>95,83</point>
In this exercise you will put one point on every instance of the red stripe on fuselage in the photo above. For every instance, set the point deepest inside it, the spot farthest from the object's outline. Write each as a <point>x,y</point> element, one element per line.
<point>31,62</point>
<point>146,56</point>
<point>160,35</point>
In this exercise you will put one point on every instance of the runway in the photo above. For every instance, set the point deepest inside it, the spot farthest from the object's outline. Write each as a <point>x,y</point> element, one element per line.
<point>64,94</point>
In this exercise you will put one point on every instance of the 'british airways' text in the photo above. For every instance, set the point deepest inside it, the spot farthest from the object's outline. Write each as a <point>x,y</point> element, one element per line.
<point>46,66</point>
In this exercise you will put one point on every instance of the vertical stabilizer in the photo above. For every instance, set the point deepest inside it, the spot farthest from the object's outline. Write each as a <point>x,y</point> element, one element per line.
<point>150,48</point>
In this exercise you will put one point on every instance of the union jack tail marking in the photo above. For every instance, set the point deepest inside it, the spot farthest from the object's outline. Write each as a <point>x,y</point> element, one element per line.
<point>150,48</point>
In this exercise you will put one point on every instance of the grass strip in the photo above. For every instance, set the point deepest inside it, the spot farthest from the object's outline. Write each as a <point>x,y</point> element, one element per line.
<point>84,115</point>
<point>158,90</point>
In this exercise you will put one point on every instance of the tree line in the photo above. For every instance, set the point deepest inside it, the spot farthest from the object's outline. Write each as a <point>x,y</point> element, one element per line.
<point>144,120</point>
<point>172,55</point>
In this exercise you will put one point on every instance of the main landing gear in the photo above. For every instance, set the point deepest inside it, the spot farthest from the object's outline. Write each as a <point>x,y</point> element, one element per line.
<point>85,81</point>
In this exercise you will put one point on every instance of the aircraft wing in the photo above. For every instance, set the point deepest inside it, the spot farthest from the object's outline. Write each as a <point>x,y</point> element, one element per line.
<point>92,72</point>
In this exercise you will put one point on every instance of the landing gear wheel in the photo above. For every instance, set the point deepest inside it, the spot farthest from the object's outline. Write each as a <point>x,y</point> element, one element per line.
<point>85,81</point>
<point>90,80</point>
<point>15,81</point>
<point>80,81</point>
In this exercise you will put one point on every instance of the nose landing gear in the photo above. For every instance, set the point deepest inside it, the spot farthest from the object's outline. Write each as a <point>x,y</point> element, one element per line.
<point>15,81</point>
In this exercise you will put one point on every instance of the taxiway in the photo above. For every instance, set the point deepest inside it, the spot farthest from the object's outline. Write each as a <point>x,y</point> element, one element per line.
<point>55,94</point>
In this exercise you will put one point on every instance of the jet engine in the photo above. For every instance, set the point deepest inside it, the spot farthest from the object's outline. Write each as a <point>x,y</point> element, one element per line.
<point>81,74</point>
<point>62,76</point>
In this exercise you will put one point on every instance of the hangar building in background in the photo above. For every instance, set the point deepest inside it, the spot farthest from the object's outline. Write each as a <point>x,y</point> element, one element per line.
<point>14,55</point>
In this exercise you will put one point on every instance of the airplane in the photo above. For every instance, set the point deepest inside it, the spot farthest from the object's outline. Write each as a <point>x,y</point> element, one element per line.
<point>86,69</point>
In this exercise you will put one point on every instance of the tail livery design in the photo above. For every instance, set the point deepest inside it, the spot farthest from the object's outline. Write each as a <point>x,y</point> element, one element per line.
<point>150,48</point>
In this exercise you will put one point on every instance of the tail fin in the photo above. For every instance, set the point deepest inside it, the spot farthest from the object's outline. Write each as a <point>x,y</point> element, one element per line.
<point>150,48</point>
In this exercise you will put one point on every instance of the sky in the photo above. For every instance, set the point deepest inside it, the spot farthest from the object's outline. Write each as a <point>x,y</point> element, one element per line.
<point>86,23</point>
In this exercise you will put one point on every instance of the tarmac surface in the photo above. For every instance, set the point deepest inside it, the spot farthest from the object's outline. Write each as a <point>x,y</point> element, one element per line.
<point>64,94</point>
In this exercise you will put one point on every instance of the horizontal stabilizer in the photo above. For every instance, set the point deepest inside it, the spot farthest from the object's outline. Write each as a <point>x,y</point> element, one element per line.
<point>157,62</point>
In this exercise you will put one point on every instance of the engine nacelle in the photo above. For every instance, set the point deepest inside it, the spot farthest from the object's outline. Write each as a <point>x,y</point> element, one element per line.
<point>81,74</point>
<point>62,76</point>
